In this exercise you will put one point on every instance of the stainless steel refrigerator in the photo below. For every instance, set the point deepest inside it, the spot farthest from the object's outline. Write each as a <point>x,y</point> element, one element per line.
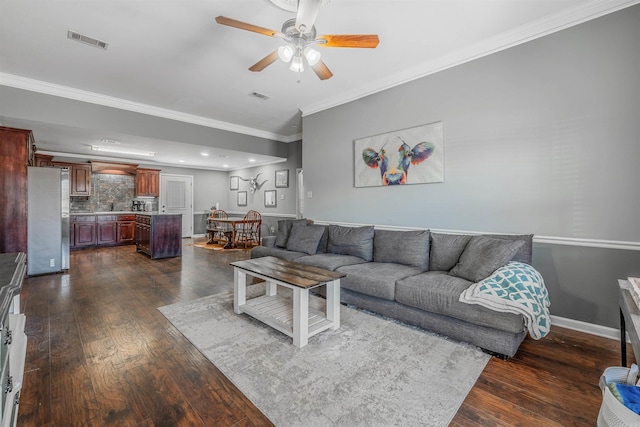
<point>47,220</point>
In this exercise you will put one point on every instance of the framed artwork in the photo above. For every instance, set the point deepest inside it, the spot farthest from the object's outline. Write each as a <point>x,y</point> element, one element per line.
<point>242,198</point>
<point>270,199</point>
<point>409,156</point>
<point>282,178</point>
<point>234,183</point>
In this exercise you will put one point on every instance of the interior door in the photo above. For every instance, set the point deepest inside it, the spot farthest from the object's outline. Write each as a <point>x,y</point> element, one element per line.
<point>176,197</point>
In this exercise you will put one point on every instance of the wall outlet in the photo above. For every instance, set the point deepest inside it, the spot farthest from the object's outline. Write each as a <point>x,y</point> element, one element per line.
<point>52,262</point>
<point>273,229</point>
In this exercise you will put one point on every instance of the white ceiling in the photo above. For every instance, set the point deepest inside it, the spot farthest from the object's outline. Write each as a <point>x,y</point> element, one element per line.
<point>169,58</point>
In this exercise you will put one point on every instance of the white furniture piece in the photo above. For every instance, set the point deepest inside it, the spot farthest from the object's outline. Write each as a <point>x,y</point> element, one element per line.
<point>293,318</point>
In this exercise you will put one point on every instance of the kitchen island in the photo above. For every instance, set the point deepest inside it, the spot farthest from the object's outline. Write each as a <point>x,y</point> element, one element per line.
<point>159,235</point>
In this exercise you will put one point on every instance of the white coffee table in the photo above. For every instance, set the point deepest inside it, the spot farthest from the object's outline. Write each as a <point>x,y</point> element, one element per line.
<point>293,318</point>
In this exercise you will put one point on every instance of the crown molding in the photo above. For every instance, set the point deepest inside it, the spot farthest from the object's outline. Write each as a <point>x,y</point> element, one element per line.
<point>531,31</point>
<point>39,86</point>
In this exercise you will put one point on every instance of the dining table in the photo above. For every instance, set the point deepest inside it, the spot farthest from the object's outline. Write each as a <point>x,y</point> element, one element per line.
<point>234,223</point>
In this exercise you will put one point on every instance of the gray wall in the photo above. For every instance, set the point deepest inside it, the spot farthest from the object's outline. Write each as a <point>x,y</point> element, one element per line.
<point>540,138</point>
<point>256,201</point>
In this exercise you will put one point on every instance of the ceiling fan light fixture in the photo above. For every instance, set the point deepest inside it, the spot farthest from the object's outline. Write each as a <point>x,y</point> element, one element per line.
<point>312,55</point>
<point>285,53</point>
<point>296,64</point>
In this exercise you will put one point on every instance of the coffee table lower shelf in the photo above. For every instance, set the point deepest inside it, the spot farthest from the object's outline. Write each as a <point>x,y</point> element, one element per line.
<point>277,312</point>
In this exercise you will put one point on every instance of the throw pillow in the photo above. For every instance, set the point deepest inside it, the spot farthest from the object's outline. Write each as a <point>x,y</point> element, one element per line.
<point>402,247</point>
<point>446,250</point>
<point>484,255</point>
<point>284,230</point>
<point>304,238</point>
<point>355,241</point>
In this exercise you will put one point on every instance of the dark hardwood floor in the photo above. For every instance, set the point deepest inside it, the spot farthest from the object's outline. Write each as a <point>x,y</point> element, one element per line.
<point>100,354</point>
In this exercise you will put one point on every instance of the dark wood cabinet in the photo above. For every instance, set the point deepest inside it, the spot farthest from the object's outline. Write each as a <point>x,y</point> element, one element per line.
<point>79,178</point>
<point>83,231</point>
<point>148,182</point>
<point>43,160</point>
<point>16,153</point>
<point>107,227</point>
<point>126,229</point>
<point>160,235</point>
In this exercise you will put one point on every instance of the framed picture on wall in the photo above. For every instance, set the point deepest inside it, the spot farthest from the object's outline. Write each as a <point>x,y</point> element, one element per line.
<point>242,198</point>
<point>270,198</point>
<point>234,183</point>
<point>282,178</point>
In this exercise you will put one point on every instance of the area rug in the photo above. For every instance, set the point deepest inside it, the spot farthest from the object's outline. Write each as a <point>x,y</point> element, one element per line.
<point>370,372</point>
<point>216,247</point>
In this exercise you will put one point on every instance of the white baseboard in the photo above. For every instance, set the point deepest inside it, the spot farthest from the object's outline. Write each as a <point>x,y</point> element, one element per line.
<point>588,328</point>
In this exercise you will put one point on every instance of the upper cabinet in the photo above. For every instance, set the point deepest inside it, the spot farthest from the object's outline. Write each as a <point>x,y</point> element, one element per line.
<point>79,178</point>
<point>43,160</point>
<point>148,182</point>
<point>16,152</point>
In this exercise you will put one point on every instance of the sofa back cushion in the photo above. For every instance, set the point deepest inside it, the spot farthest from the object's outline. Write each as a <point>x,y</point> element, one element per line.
<point>446,250</point>
<point>525,253</point>
<point>402,247</point>
<point>355,241</point>
<point>304,238</point>
<point>484,255</point>
<point>284,230</point>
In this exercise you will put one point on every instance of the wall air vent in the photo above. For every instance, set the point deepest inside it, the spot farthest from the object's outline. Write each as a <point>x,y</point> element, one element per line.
<point>87,40</point>
<point>259,95</point>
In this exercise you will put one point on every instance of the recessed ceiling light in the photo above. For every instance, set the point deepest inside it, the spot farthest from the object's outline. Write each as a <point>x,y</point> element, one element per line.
<point>181,161</point>
<point>252,160</point>
<point>205,154</point>
<point>225,166</point>
<point>122,151</point>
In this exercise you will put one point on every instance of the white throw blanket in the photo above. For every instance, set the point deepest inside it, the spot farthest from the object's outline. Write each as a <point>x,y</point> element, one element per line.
<point>515,288</point>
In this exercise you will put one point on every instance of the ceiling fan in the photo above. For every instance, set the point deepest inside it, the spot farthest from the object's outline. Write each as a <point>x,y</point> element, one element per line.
<point>299,34</point>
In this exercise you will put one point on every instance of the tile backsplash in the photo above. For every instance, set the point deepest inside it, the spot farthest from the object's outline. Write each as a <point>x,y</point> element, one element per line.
<point>107,189</point>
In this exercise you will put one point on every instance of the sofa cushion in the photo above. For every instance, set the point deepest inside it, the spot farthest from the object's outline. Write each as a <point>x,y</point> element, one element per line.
<point>261,251</point>
<point>484,255</point>
<point>304,238</point>
<point>438,292</point>
<point>354,241</point>
<point>525,253</point>
<point>402,247</point>
<point>446,250</point>
<point>284,230</point>
<point>329,261</point>
<point>377,279</point>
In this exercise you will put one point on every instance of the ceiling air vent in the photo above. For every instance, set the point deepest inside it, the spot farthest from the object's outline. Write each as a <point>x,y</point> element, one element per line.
<point>259,95</point>
<point>87,40</point>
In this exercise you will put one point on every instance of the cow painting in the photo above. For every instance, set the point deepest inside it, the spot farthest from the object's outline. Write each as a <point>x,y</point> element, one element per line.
<point>394,170</point>
<point>408,156</point>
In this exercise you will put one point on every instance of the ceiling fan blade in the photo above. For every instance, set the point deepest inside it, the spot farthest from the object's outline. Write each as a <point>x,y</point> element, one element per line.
<point>265,62</point>
<point>223,20</point>
<point>306,15</point>
<point>348,40</point>
<point>322,71</point>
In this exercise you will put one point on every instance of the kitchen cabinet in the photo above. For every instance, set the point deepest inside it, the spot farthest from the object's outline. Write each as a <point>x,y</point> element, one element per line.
<point>43,160</point>
<point>13,340</point>
<point>126,229</point>
<point>83,231</point>
<point>159,235</point>
<point>107,226</point>
<point>79,178</point>
<point>16,153</point>
<point>148,182</point>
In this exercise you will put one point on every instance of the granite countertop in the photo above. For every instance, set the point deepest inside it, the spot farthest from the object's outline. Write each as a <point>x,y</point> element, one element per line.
<point>114,213</point>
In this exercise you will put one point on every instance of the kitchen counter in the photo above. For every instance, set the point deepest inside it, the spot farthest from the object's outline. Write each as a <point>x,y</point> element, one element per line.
<point>113,213</point>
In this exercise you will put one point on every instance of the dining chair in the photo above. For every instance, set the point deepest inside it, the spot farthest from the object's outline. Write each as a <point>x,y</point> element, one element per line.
<point>248,231</point>
<point>218,232</point>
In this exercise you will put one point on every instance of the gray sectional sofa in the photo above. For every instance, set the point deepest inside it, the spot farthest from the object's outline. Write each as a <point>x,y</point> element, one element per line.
<point>412,276</point>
